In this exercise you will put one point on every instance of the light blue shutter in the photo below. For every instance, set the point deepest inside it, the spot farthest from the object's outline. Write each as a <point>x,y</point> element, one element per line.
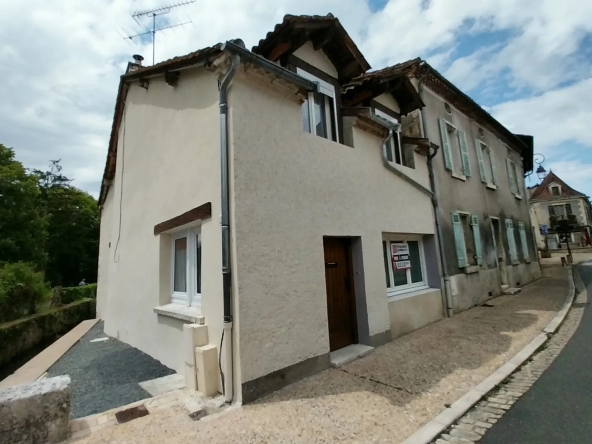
<point>479,151</point>
<point>493,168</point>
<point>459,240</point>
<point>464,153</point>
<point>477,239</point>
<point>511,240</point>
<point>511,177</point>
<point>522,232</point>
<point>445,144</point>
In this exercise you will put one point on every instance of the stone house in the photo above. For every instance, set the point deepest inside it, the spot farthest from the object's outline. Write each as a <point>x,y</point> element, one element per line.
<point>553,201</point>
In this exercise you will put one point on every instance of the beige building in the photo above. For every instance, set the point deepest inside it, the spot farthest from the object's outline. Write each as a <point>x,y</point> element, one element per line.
<point>553,201</point>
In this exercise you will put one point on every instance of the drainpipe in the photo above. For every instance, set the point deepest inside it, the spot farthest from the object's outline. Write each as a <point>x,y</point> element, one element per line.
<point>226,347</point>
<point>447,288</point>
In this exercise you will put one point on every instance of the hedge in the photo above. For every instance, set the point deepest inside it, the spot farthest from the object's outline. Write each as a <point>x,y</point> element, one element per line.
<point>17,337</point>
<point>71,294</point>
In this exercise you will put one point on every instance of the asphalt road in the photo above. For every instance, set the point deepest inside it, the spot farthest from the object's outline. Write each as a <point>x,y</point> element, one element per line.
<point>558,407</point>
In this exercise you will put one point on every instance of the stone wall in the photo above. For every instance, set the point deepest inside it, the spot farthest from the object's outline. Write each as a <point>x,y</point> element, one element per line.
<point>36,413</point>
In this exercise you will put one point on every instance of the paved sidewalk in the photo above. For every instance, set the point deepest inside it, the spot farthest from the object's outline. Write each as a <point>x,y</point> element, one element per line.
<point>383,397</point>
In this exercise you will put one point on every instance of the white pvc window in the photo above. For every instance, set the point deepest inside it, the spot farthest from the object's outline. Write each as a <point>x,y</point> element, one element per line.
<point>319,110</point>
<point>186,268</point>
<point>404,265</point>
<point>394,150</point>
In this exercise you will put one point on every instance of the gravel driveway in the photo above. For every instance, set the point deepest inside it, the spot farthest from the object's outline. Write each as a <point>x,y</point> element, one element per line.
<point>105,374</point>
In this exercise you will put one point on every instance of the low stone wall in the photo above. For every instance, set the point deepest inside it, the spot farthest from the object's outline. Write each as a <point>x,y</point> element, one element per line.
<point>17,337</point>
<point>36,413</point>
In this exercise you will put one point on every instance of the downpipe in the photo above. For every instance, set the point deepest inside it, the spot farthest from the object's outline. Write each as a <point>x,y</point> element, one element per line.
<point>437,220</point>
<point>226,356</point>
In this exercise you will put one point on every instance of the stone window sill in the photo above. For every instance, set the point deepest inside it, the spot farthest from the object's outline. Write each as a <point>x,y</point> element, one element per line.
<point>515,262</point>
<point>472,269</point>
<point>181,312</point>
<point>518,196</point>
<point>491,186</point>
<point>459,176</point>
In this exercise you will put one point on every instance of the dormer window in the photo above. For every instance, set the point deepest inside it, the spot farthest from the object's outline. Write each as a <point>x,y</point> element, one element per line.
<point>318,110</point>
<point>555,191</point>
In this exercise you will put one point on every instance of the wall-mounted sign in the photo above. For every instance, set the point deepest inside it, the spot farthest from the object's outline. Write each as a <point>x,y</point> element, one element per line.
<point>544,229</point>
<point>400,256</point>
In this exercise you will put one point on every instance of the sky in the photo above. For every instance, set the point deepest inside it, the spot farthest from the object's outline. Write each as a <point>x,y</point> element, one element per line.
<point>527,62</point>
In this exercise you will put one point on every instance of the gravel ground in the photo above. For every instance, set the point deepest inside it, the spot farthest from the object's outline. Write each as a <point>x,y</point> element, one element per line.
<point>383,397</point>
<point>105,374</point>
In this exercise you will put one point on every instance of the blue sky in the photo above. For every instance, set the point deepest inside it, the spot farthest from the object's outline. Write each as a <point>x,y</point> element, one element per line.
<point>527,62</point>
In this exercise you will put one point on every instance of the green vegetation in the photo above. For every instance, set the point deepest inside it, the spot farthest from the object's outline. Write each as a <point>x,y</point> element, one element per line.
<point>72,294</point>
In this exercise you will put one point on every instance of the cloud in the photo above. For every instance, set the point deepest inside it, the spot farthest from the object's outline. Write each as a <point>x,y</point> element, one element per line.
<point>60,61</point>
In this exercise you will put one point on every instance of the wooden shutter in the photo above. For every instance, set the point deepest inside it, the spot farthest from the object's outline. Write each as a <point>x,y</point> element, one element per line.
<point>511,177</point>
<point>479,151</point>
<point>493,168</point>
<point>459,240</point>
<point>477,238</point>
<point>464,153</point>
<point>511,240</point>
<point>445,144</point>
<point>522,232</point>
<point>551,211</point>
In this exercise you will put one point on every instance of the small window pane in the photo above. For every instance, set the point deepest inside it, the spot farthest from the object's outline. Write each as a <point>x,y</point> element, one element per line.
<point>399,276</point>
<point>387,261</point>
<point>389,151</point>
<point>180,272</point>
<point>398,157</point>
<point>320,118</point>
<point>198,264</point>
<point>416,275</point>
<point>306,116</point>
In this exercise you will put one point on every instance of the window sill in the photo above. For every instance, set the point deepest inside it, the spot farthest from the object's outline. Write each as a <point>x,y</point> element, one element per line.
<point>181,312</point>
<point>408,292</point>
<point>518,196</point>
<point>515,262</point>
<point>491,187</point>
<point>459,176</point>
<point>472,269</point>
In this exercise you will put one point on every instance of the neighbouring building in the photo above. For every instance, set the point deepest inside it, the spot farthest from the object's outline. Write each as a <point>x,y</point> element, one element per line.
<point>264,211</point>
<point>553,201</point>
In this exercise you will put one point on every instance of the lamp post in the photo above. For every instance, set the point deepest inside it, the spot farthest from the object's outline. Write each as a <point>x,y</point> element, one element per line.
<point>541,172</point>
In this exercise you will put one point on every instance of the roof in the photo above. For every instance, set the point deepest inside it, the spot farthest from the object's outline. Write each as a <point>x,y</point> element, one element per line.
<point>175,63</point>
<point>421,70</point>
<point>392,79</point>
<point>542,191</point>
<point>325,32</point>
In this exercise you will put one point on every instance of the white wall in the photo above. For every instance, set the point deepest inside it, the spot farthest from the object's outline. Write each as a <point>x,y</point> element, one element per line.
<point>290,189</point>
<point>318,59</point>
<point>169,154</point>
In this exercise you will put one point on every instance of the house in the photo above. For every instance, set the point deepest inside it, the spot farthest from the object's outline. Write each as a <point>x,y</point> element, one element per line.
<point>553,201</point>
<point>267,222</point>
<point>483,212</point>
<point>267,212</point>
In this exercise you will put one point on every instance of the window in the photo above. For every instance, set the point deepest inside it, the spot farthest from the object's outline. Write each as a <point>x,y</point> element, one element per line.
<point>486,161</point>
<point>560,212</point>
<point>454,144</point>
<point>394,150</point>
<point>555,191</point>
<point>319,110</point>
<point>403,265</point>
<point>467,239</point>
<point>513,177</point>
<point>511,241</point>
<point>186,268</point>
<point>524,245</point>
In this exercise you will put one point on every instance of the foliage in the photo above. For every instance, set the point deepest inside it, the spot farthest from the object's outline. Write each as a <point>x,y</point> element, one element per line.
<point>20,336</point>
<point>23,228</point>
<point>71,294</point>
<point>22,290</point>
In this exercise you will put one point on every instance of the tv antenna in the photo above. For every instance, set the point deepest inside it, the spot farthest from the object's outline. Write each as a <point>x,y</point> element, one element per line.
<point>155,12</point>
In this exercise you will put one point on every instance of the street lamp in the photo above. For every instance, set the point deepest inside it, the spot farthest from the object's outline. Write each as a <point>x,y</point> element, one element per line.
<point>541,172</point>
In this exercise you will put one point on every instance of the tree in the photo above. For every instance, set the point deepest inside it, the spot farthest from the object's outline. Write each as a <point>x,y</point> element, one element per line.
<point>22,224</point>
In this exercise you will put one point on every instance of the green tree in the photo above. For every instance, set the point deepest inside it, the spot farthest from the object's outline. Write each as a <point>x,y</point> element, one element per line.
<point>22,224</point>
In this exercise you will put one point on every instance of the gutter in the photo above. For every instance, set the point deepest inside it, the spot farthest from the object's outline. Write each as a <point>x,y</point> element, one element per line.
<point>238,53</point>
<point>437,221</point>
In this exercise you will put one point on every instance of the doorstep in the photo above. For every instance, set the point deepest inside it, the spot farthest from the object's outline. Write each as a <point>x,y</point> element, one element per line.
<point>348,354</point>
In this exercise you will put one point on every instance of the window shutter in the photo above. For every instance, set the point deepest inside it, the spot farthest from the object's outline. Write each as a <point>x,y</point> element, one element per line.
<point>464,153</point>
<point>459,241</point>
<point>568,209</point>
<point>511,240</point>
<point>479,151</point>
<point>477,238</point>
<point>511,177</point>
<point>493,168</point>
<point>445,144</point>
<point>551,210</point>
<point>522,232</point>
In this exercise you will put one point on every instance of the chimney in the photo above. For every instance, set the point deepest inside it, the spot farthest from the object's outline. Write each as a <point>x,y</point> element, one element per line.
<point>135,65</point>
<point>138,59</point>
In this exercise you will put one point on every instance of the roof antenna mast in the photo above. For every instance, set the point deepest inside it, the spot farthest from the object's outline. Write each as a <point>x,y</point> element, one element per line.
<point>153,13</point>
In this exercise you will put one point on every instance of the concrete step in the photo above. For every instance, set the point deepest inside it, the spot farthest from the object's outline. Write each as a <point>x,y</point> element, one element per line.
<point>511,291</point>
<point>347,354</point>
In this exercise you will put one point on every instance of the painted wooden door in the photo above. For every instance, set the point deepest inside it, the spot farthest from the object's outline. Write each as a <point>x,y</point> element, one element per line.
<point>341,304</point>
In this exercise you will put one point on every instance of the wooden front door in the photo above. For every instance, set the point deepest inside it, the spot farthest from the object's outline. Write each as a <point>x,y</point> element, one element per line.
<point>341,304</point>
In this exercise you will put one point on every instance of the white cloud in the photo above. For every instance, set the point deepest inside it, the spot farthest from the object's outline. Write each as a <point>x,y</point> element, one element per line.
<point>60,61</point>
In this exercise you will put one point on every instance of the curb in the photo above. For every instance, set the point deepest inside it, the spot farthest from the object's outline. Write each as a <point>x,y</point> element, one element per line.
<point>439,424</point>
